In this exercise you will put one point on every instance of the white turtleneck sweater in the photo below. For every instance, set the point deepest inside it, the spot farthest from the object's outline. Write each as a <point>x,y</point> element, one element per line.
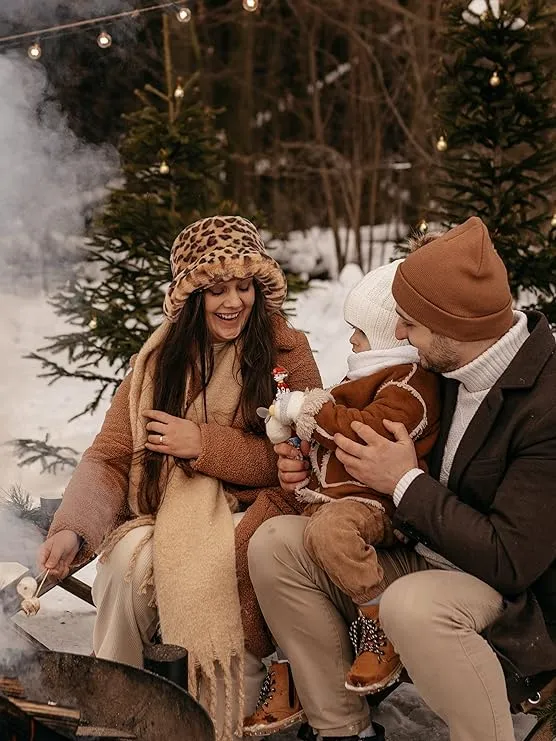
<point>475,379</point>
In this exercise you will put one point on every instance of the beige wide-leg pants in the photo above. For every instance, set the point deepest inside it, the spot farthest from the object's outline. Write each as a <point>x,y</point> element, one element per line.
<point>125,622</point>
<point>433,618</point>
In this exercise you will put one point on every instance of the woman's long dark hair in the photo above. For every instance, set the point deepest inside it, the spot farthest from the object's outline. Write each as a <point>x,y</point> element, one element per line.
<point>187,352</point>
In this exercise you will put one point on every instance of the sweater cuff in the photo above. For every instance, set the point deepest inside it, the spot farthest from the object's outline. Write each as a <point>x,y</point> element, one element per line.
<point>403,484</point>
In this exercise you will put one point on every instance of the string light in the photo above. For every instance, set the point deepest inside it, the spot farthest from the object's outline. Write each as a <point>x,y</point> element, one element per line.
<point>164,168</point>
<point>34,51</point>
<point>75,26</point>
<point>422,226</point>
<point>183,15</point>
<point>250,5</point>
<point>93,324</point>
<point>104,40</point>
<point>495,79</point>
<point>553,220</point>
<point>442,144</point>
<point>179,92</point>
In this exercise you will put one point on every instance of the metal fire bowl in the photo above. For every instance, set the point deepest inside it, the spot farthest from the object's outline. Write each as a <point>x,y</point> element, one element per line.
<point>115,696</point>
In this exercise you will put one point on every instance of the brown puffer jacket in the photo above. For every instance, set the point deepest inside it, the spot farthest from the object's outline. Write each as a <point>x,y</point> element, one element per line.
<point>95,500</point>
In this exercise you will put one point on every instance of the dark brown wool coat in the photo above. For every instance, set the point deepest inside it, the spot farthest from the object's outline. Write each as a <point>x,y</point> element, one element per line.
<point>497,517</point>
<point>95,500</point>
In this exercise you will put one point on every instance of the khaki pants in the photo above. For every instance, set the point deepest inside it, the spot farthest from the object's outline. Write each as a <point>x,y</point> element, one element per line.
<point>125,622</point>
<point>433,618</point>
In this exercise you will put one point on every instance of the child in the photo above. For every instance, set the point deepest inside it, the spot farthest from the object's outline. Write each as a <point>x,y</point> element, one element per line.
<point>384,381</point>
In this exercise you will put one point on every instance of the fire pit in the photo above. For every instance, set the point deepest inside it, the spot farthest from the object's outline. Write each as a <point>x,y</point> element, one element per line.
<point>50,696</point>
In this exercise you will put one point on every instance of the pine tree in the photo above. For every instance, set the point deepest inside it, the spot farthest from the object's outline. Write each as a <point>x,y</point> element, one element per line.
<point>172,160</point>
<point>496,134</point>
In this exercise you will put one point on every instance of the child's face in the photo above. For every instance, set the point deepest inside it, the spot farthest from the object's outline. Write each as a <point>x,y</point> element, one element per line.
<point>359,341</point>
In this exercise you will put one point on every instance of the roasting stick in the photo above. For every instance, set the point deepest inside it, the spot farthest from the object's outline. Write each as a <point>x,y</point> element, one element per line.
<point>29,589</point>
<point>37,593</point>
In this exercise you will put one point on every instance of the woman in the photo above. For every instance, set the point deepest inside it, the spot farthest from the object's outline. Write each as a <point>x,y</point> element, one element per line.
<point>180,448</point>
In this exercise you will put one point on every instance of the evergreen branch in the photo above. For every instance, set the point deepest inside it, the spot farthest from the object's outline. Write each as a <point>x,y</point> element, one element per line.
<point>52,458</point>
<point>19,502</point>
<point>55,372</point>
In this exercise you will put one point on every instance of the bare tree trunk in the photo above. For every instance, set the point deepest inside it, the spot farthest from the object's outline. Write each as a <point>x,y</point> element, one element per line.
<point>321,139</point>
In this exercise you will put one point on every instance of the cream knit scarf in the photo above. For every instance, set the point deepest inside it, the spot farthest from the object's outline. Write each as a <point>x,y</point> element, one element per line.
<point>194,552</point>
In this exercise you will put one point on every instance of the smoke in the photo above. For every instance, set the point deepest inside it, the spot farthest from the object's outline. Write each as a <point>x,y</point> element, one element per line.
<point>49,177</point>
<point>31,13</point>
<point>19,540</point>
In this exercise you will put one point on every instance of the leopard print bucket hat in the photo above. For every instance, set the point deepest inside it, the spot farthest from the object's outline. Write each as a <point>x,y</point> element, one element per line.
<point>216,249</point>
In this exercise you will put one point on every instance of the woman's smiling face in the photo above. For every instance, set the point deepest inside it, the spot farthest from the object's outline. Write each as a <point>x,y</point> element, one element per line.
<point>227,308</point>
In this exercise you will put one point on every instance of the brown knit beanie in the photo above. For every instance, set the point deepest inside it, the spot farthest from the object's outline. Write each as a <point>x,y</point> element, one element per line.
<point>457,285</point>
<point>217,249</point>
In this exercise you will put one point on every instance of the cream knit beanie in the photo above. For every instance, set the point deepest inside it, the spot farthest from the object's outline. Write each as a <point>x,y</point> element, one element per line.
<point>371,308</point>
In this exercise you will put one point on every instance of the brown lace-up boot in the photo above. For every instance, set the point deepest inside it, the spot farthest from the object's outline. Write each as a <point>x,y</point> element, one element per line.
<point>376,664</point>
<point>278,706</point>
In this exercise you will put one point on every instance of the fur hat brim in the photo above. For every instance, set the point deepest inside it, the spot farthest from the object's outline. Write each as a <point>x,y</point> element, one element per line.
<point>212,269</point>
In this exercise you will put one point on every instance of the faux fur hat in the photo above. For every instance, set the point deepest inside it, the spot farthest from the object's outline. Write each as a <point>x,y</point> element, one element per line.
<point>217,249</point>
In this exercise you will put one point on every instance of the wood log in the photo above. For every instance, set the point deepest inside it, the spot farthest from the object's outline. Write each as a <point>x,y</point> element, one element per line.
<point>12,687</point>
<point>101,732</point>
<point>56,717</point>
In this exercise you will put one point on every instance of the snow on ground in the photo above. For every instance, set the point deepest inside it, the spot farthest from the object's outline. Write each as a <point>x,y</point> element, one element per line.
<point>31,408</point>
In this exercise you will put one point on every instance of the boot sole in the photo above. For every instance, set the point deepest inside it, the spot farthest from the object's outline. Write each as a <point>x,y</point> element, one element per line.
<point>267,729</point>
<point>371,689</point>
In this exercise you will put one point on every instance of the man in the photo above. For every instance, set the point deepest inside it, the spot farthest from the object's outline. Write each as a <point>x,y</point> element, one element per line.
<point>477,605</point>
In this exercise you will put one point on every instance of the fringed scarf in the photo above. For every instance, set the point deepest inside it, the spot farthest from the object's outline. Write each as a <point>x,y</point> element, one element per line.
<point>194,553</point>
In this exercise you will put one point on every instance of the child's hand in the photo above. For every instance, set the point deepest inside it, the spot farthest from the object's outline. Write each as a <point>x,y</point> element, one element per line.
<point>287,407</point>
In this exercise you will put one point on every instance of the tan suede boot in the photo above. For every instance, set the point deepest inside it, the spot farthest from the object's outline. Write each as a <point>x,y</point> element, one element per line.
<point>278,706</point>
<point>376,664</point>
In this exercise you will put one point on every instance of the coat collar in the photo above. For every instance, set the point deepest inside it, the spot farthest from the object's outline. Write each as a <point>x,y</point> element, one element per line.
<point>529,361</point>
<point>285,336</point>
<point>522,373</point>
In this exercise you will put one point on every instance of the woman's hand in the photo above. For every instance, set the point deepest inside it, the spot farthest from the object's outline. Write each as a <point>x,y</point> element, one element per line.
<point>292,467</point>
<point>58,552</point>
<point>173,436</point>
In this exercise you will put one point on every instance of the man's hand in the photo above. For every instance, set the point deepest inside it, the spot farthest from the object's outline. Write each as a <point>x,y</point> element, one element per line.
<point>380,463</point>
<point>292,467</point>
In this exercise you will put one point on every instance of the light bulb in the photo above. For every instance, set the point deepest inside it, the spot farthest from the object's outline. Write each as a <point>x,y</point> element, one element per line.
<point>164,168</point>
<point>104,40</point>
<point>495,79</point>
<point>34,52</point>
<point>442,144</point>
<point>179,92</point>
<point>553,219</point>
<point>422,226</point>
<point>250,5</point>
<point>93,323</point>
<point>183,15</point>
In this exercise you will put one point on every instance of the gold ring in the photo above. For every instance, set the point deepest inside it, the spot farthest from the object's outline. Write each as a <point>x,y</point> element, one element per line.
<point>161,439</point>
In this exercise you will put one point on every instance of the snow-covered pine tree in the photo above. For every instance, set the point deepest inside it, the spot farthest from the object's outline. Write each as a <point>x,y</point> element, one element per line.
<point>496,134</point>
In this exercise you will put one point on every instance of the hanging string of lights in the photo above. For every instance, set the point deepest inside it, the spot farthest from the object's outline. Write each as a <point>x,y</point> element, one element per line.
<point>104,39</point>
